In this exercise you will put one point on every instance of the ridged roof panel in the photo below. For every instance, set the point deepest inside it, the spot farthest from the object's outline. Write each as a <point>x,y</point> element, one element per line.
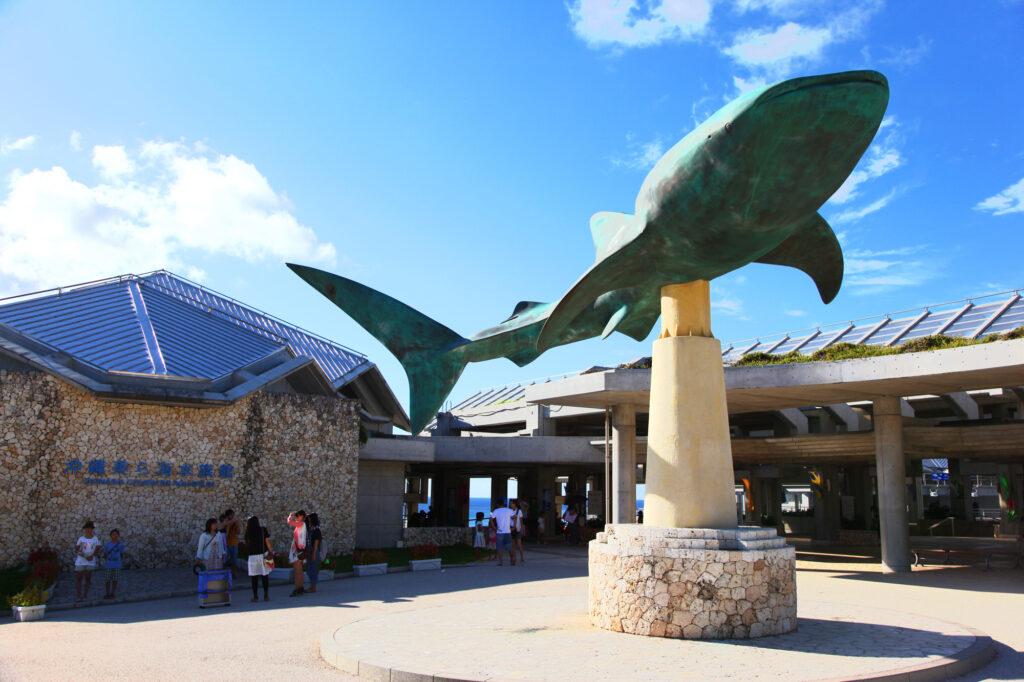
<point>162,324</point>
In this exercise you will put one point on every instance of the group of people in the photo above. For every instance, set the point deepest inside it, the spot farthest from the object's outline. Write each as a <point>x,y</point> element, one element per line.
<point>88,550</point>
<point>504,532</point>
<point>218,548</point>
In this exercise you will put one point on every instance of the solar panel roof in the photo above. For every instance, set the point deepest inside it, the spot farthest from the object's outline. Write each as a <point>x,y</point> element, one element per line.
<point>970,318</point>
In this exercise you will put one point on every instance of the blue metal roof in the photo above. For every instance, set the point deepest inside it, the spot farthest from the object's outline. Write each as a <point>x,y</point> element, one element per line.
<point>164,325</point>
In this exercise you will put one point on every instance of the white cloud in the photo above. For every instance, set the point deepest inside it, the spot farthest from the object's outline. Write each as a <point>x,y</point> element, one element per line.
<point>112,162</point>
<point>855,214</point>
<point>883,156</point>
<point>900,57</point>
<point>631,23</point>
<point>775,52</point>
<point>870,271</point>
<point>796,313</point>
<point>75,140</point>
<point>779,7</point>
<point>640,155</point>
<point>159,207</point>
<point>1010,200</point>
<point>19,145</point>
<point>733,307</point>
<point>745,85</point>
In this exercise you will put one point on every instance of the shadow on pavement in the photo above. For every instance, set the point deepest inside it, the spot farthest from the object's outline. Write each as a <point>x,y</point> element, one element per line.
<point>341,593</point>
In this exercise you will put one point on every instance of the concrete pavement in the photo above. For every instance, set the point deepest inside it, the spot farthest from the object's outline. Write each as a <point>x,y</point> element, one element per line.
<point>172,638</point>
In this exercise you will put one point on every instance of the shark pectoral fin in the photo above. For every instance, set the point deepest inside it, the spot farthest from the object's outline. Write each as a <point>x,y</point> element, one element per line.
<point>604,227</point>
<point>524,356</point>
<point>608,274</point>
<point>614,321</point>
<point>642,316</point>
<point>814,249</point>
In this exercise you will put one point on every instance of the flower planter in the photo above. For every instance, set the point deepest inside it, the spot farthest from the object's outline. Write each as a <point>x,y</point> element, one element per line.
<point>27,613</point>
<point>370,569</point>
<point>426,564</point>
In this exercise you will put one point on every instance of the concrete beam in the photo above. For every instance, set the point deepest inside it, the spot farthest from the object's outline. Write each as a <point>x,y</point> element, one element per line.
<point>842,412</point>
<point>963,405</point>
<point>906,409</point>
<point>796,420</point>
<point>774,387</point>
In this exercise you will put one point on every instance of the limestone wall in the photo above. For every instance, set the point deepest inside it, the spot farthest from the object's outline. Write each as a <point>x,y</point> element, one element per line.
<point>156,472</point>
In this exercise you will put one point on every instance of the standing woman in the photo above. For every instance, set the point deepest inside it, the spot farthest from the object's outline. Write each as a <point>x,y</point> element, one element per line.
<point>257,539</point>
<point>209,552</point>
<point>297,553</point>
<point>518,528</point>
<point>314,540</point>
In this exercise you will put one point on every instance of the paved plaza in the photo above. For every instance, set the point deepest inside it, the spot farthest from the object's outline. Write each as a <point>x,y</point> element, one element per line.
<point>851,616</point>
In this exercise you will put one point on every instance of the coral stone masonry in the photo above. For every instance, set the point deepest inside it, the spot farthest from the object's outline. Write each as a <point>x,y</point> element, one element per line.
<point>692,583</point>
<point>156,472</point>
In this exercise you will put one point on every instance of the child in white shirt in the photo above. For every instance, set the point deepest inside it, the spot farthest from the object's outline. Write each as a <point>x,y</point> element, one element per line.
<point>85,559</point>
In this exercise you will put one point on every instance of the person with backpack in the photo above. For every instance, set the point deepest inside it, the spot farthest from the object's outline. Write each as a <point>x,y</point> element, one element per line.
<point>315,544</point>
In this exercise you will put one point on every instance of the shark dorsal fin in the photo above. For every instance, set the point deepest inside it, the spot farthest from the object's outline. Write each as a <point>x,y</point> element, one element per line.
<point>605,227</point>
<point>522,307</point>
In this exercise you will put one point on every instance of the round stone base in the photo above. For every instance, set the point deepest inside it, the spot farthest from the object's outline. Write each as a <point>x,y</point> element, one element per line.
<point>692,583</point>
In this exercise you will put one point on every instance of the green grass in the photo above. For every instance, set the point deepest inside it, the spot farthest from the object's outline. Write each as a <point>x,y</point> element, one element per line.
<point>851,351</point>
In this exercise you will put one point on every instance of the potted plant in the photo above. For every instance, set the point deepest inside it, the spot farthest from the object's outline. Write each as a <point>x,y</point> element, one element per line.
<point>425,557</point>
<point>369,562</point>
<point>29,604</point>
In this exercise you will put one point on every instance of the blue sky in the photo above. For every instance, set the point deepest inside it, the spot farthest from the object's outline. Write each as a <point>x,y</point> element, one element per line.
<point>451,155</point>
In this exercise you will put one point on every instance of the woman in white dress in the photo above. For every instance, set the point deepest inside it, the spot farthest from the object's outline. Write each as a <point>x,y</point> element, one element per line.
<point>257,541</point>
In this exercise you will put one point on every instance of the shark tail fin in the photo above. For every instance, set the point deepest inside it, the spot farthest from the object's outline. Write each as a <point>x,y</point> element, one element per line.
<point>429,351</point>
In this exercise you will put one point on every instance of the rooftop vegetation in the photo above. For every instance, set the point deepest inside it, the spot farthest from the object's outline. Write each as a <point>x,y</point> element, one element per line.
<point>851,351</point>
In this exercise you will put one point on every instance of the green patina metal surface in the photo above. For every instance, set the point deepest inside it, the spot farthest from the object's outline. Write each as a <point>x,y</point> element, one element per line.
<point>743,187</point>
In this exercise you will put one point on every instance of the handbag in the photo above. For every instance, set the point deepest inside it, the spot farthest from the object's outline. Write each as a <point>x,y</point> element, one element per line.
<point>303,554</point>
<point>268,560</point>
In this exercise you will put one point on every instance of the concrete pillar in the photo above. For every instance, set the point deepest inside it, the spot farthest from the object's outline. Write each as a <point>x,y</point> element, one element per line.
<point>827,508</point>
<point>624,464</point>
<point>537,422</point>
<point>863,496</point>
<point>499,488</point>
<point>892,502</point>
<point>689,457</point>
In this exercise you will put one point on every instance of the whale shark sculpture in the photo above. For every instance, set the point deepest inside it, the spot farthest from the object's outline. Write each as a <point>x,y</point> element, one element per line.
<point>745,186</point>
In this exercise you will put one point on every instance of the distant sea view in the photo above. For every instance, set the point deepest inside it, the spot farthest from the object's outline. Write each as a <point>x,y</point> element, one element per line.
<point>483,504</point>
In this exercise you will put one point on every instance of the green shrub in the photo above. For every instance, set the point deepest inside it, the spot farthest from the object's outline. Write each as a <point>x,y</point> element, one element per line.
<point>363,557</point>
<point>28,596</point>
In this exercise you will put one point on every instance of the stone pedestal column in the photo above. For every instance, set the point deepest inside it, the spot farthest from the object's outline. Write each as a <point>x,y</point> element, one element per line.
<point>689,572</point>
<point>623,464</point>
<point>689,457</point>
<point>891,470</point>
